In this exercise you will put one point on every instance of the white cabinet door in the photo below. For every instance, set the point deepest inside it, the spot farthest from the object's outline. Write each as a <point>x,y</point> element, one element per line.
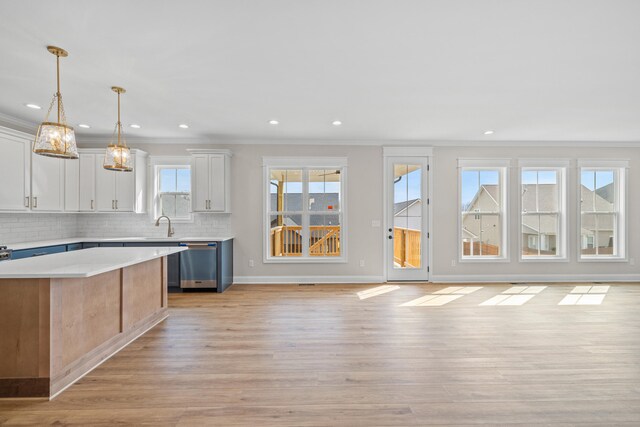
<point>87,163</point>
<point>105,187</point>
<point>72,185</point>
<point>14,173</point>
<point>200,183</point>
<point>217,184</point>
<point>47,183</point>
<point>125,191</point>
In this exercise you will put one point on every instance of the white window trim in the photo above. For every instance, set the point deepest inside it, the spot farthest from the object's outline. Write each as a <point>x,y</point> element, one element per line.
<point>304,164</point>
<point>561,166</point>
<point>155,164</point>
<point>622,196</point>
<point>503,166</point>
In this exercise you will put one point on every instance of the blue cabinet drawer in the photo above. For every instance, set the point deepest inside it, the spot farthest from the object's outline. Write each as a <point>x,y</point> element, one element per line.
<point>74,247</point>
<point>28,253</point>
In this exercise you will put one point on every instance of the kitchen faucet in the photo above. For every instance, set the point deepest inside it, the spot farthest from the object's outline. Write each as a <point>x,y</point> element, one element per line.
<point>170,231</point>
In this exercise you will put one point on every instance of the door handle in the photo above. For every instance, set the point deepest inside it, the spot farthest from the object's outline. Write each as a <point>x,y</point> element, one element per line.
<point>35,202</point>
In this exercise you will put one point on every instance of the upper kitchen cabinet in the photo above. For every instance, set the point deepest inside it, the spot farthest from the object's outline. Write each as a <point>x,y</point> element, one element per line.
<point>119,191</point>
<point>72,185</point>
<point>15,164</point>
<point>210,180</point>
<point>47,183</point>
<point>87,187</point>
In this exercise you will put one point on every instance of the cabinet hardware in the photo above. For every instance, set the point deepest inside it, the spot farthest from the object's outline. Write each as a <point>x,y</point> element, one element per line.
<point>91,204</point>
<point>26,202</point>
<point>116,205</point>
<point>35,202</point>
<point>113,205</point>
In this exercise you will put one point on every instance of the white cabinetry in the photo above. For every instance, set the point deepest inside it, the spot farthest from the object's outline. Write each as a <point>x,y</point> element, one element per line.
<point>15,163</point>
<point>71,185</point>
<point>210,180</point>
<point>47,183</point>
<point>87,173</point>
<point>121,191</point>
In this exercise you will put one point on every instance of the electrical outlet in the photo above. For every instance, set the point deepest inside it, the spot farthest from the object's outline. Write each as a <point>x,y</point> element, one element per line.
<point>251,263</point>
<point>361,263</point>
<point>453,263</point>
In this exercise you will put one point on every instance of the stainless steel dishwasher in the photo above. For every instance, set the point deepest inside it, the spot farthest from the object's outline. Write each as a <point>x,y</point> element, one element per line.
<point>198,265</point>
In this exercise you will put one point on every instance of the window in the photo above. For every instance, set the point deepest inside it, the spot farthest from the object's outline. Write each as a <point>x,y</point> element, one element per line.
<point>304,212</point>
<point>602,213</point>
<point>542,216</point>
<point>483,210</point>
<point>173,192</point>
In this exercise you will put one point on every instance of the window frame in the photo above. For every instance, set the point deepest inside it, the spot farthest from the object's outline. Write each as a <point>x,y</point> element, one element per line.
<point>305,165</point>
<point>503,167</point>
<point>620,168</point>
<point>157,163</point>
<point>560,167</point>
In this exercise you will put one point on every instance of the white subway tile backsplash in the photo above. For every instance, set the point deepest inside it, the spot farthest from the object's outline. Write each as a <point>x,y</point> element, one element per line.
<point>25,227</point>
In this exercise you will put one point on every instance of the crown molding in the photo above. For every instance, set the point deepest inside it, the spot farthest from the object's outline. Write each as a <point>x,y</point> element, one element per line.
<point>19,125</point>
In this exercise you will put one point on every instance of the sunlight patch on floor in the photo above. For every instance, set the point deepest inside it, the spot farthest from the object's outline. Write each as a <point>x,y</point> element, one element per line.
<point>517,299</point>
<point>524,290</point>
<point>458,290</point>
<point>586,295</point>
<point>379,290</point>
<point>432,300</point>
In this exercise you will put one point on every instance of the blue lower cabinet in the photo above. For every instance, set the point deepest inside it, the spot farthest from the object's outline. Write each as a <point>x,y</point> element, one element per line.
<point>88,245</point>
<point>74,247</point>
<point>111,245</point>
<point>28,253</point>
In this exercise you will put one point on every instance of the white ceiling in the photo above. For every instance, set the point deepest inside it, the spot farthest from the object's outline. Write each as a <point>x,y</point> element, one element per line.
<point>422,70</point>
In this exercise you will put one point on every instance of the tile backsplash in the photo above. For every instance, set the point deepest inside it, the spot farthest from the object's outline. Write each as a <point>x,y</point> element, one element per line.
<point>26,227</point>
<point>138,225</point>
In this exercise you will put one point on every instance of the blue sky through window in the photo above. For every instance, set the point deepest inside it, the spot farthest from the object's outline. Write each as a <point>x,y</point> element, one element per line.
<point>175,180</point>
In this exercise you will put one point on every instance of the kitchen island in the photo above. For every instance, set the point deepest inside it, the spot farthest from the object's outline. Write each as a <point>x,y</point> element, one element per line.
<point>62,315</point>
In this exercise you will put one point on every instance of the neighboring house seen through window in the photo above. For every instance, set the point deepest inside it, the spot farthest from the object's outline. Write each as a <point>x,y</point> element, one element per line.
<point>542,205</point>
<point>602,221</point>
<point>483,216</point>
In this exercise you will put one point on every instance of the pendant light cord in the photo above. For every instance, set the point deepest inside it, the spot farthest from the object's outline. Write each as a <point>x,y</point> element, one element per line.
<point>58,82</point>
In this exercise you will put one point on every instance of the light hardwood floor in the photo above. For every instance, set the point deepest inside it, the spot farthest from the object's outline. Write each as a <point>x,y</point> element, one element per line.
<point>284,355</point>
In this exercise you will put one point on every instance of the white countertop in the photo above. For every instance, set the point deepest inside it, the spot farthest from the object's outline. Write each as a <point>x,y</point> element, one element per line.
<point>84,263</point>
<point>69,241</point>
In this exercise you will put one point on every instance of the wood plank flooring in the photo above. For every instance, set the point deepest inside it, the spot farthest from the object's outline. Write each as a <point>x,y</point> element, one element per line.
<point>285,355</point>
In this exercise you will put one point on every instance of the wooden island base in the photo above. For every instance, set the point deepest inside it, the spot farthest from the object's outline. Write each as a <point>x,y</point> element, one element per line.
<point>54,331</point>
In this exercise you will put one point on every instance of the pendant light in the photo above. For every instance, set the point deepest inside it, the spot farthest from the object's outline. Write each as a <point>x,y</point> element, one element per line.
<point>118,156</point>
<point>56,139</point>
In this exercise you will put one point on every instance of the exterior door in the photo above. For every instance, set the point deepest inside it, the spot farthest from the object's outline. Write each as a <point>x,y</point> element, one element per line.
<point>407,218</point>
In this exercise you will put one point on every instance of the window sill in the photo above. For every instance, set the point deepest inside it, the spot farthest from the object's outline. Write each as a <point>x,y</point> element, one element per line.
<point>603,259</point>
<point>544,259</point>
<point>481,259</point>
<point>306,260</point>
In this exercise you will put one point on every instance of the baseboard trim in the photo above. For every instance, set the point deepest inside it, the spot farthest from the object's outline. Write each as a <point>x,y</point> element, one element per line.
<point>478,278</point>
<point>262,280</point>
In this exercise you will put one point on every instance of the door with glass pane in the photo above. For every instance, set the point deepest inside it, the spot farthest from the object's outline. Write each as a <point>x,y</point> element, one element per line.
<point>406,227</point>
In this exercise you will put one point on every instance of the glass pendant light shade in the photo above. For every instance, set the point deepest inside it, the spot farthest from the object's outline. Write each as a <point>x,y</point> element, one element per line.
<point>56,139</point>
<point>118,156</point>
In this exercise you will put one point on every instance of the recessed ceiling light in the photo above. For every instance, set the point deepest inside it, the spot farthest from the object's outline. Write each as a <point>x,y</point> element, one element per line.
<point>488,132</point>
<point>135,126</point>
<point>183,126</point>
<point>336,122</point>
<point>274,122</point>
<point>34,106</point>
<point>82,125</point>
